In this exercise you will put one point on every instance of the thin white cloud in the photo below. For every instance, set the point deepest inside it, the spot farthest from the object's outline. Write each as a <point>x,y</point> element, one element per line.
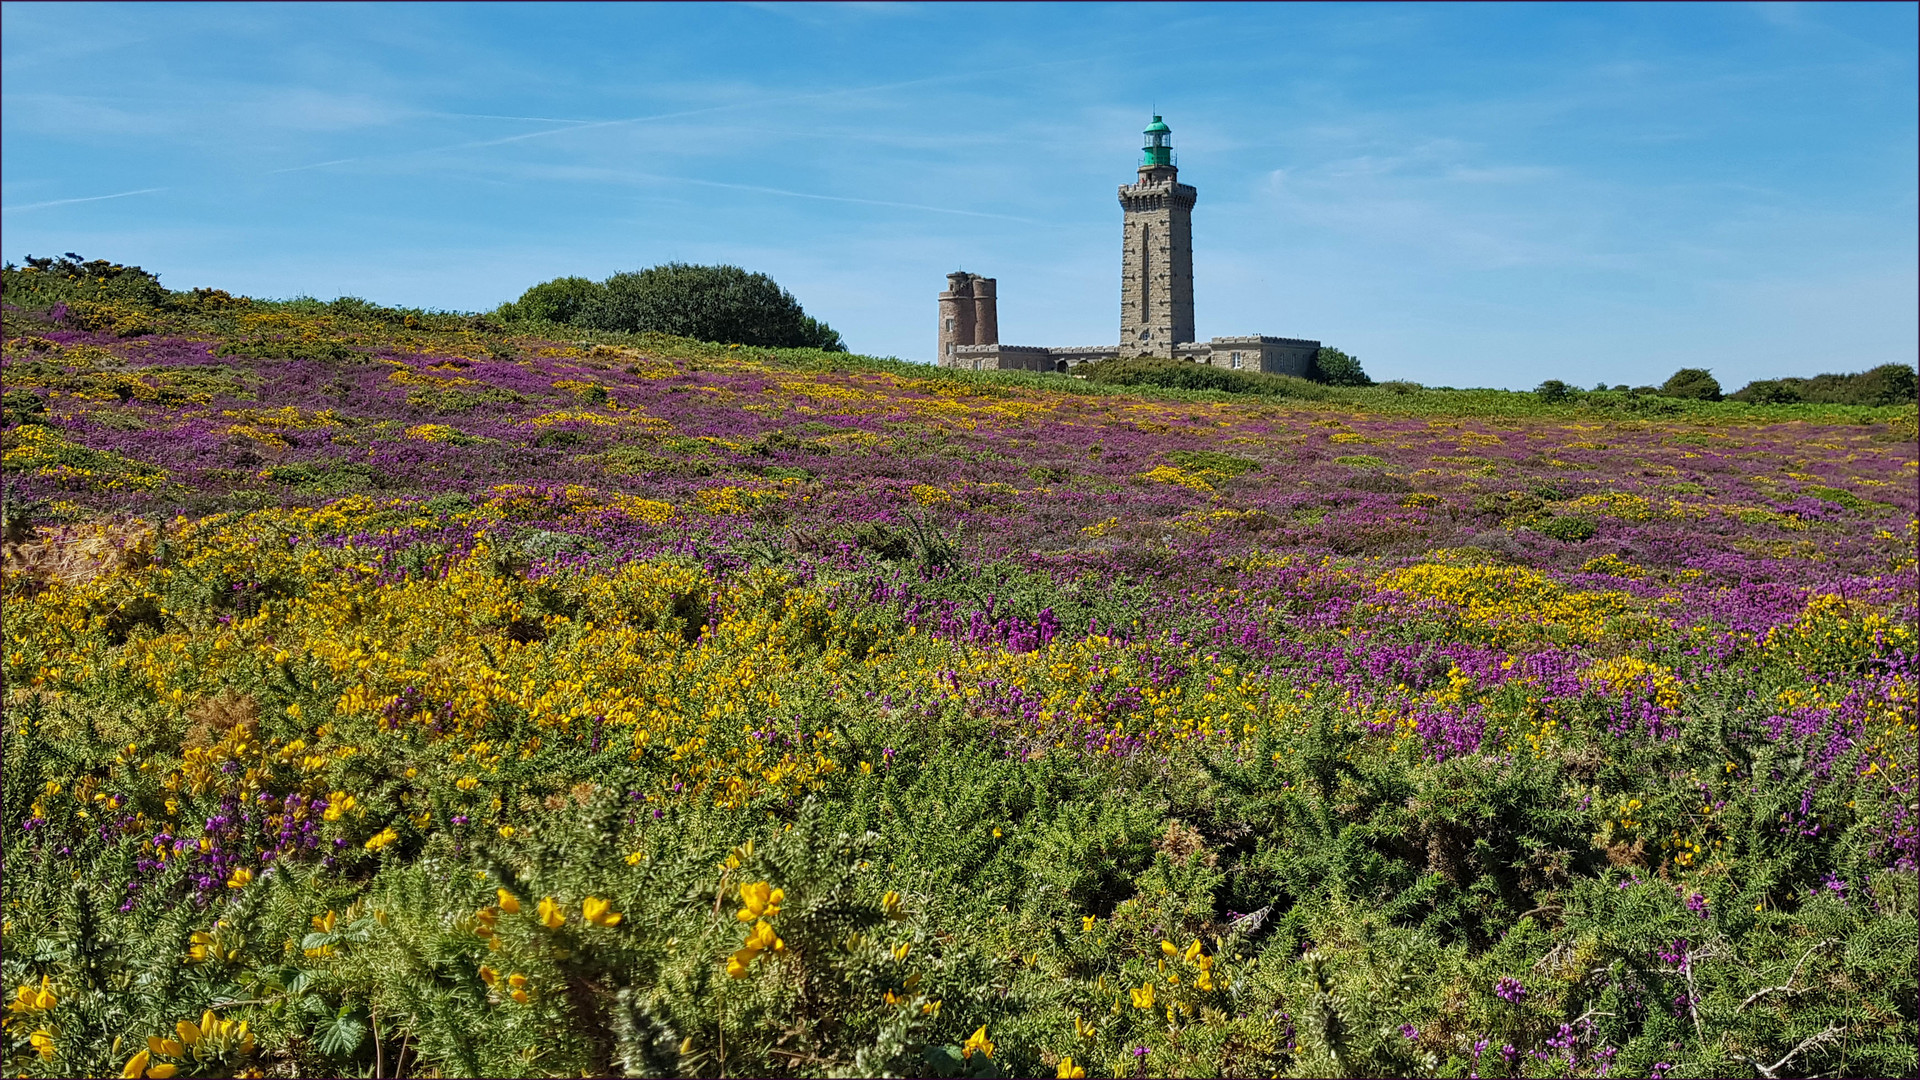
<point>23,208</point>
<point>762,102</point>
<point>491,116</point>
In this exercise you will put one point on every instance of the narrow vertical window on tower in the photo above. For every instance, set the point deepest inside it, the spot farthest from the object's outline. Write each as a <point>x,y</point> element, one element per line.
<point>1146,276</point>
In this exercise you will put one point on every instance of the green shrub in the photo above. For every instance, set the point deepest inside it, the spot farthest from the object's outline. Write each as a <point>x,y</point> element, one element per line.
<point>1187,375</point>
<point>560,300</point>
<point>1212,464</point>
<point>322,477</point>
<point>1553,391</point>
<point>1697,384</point>
<point>1336,368</point>
<point>560,439</point>
<point>1769,392</point>
<point>42,283</point>
<point>24,407</point>
<point>282,348</point>
<point>1888,384</point>
<point>708,303</point>
<point>1568,529</point>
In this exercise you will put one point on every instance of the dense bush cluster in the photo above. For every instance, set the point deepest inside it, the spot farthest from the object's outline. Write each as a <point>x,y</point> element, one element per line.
<point>1696,383</point>
<point>1186,375</point>
<point>1336,368</point>
<point>1888,384</point>
<point>389,692</point>
<point>707,303</point>
<point>1331,368</point>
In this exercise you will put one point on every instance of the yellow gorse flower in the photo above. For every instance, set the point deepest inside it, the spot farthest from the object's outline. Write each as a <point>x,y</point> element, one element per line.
<point>599,912</point>
<point>550,916</point>
<point>1069,1071</point>
<point>761,901</point>
<point>890,905</point>
<point>977,1041</point>
<point>761,939</point>
<point>29,999</point>
<point>1143,997</point>
<point>509,903</point>
<point>212,1036</point>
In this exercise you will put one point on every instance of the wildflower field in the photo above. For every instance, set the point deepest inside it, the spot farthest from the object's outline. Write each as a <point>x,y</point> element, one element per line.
<point>400,694</point>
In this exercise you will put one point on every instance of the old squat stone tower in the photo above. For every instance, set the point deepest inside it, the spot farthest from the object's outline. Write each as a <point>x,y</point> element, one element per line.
<point>1156,293</point>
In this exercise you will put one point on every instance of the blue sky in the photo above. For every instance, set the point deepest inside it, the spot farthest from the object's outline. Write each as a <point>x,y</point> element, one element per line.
<point>1461,195</point>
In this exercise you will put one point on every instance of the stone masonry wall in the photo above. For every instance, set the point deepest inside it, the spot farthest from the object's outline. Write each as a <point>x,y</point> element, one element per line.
<point>968,315</point>
<point>1156,263</point>
<point>1256,352</point>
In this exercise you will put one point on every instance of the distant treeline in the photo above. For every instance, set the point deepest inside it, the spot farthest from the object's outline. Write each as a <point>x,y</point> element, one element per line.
<point>1888,384</point>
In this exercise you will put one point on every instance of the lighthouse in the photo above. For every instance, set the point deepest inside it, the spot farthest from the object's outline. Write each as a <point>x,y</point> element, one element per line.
<point>1156,255</point>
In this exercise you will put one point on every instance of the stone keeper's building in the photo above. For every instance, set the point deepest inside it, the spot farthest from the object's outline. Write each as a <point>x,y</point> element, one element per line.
<point>1156,294</point>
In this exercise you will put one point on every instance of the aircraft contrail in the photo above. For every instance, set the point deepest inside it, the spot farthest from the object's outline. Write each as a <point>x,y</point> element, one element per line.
<point>87,198</point>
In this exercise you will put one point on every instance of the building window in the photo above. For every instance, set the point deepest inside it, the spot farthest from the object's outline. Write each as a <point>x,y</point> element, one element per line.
<point>1236,360</point>
<point>949,348</point>
<point>949,326</point>
<point>976,365</point>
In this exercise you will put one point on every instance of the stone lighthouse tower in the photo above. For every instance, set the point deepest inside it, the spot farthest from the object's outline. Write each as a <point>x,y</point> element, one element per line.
<point>1156,260</point>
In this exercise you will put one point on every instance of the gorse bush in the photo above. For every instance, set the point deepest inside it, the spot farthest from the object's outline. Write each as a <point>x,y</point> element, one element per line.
<point>388,693</point>
<point>43,282</point>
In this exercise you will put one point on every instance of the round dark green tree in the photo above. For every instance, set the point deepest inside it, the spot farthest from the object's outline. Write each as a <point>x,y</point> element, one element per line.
<point>1692,382</point>
<point>710,303</point>
<point>1554,391</point>
<point>560,300</point>
<point>1336,368</point>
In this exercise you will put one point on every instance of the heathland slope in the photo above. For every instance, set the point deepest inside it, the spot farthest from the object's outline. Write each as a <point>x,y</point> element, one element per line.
<point>432,697</point>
